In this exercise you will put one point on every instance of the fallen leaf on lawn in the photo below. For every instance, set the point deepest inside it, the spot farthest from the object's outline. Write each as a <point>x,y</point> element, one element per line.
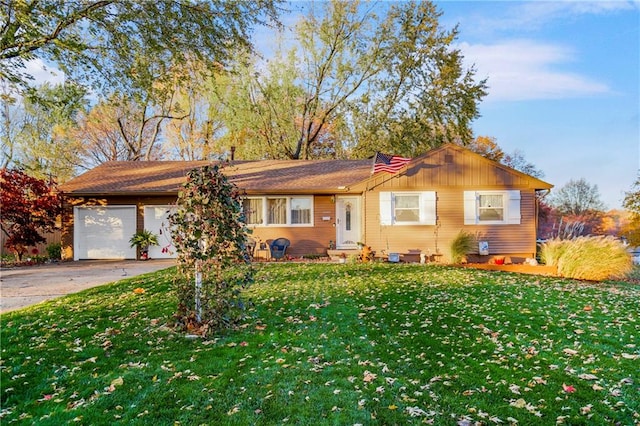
<point>515,389</point>
<point>568,388</point>
<point>519,403</point>
<point>117,382</point>
<point>596,387</point>
<point>586,409</point>
<point>569,351</point>
<point>393,407</point>
<point>630,356</point>
<point>139,290</point>
<point>588,308</point>
<point>369,377</point>
<point>587,376</point>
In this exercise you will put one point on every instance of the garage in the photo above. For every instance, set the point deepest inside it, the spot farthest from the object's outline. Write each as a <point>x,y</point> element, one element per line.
<point>156,220</point>
<point>103,232</point>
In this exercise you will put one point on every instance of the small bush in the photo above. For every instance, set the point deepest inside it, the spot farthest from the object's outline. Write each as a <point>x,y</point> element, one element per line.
<point>463,244</point>
<point>587,258</point>
<point>54,250</point>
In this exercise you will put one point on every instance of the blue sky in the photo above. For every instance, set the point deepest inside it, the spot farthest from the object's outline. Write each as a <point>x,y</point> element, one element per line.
<point>564,79</point>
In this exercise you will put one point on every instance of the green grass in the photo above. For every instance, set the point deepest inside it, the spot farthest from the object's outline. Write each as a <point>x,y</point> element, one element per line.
<point>334,344</point>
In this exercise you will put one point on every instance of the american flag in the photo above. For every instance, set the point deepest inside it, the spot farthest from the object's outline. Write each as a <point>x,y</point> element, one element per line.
<point>388,163</point>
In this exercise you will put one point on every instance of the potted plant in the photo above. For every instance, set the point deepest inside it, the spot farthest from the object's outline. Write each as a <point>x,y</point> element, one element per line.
<point>142,240</point>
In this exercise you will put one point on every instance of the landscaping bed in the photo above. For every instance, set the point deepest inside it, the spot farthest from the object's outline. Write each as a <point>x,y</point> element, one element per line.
<point>550,271</point>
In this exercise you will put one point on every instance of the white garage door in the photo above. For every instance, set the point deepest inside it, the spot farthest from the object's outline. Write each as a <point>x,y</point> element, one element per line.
<point>104,232</point>
<point>156,220</point>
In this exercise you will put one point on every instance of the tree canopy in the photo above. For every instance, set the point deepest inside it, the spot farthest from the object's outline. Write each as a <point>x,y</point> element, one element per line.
<point>356,82</point>
<point>116,44</point>
<point>174,79</point>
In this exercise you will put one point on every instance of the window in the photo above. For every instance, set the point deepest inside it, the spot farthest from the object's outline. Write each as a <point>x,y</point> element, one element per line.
<point>300,211</point>
<point>276,211</point>
<point>281,211</point>
<point>408,208</point>
<point>253,212</point>
<point>491,207</point>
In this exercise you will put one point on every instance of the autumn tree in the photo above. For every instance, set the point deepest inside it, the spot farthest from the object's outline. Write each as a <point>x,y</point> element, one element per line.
<point>578,202</point>
<point>131,53</point>
<point>632,204</point>
<point>29,207</point>
<point>489,148</point>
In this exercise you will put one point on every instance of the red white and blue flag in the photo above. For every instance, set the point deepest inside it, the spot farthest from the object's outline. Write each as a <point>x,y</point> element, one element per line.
<point>388,163</point>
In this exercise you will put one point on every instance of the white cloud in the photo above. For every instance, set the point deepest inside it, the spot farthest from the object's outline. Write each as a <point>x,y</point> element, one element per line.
<point>533,16</point>
<point>43,73</point>
<point>526,70</point>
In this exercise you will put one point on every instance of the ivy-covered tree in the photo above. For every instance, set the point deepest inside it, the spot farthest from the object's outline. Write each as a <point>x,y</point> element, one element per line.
<point>29,208</point>
<point>210,235</point>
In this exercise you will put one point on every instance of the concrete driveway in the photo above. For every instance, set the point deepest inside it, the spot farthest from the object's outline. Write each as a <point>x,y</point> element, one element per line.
<point>25,286</point>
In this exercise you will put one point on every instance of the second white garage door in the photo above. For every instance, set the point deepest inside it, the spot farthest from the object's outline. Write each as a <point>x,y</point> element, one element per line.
<point>156,220</point>
<point>104,232</point>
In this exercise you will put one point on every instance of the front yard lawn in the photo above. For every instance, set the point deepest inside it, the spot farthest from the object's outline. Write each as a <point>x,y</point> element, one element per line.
<point>335,344</point>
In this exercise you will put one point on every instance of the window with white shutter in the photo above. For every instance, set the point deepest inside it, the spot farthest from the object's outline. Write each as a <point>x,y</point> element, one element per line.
<point>491,207</point>
<point>408,208</point>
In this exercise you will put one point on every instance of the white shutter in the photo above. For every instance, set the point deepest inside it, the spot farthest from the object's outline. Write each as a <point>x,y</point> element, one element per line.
<point>428,213</point>
<point>470,208</point>
<point>513,207</point>
<point>386,208</point>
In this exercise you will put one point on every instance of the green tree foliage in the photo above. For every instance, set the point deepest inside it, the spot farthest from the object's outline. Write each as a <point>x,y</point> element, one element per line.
<point>118,44</point>
<point>209,234</point>
<point>29,206</point>
<point>423,97</point>
<point>42,142</point>
<point>354,83</point>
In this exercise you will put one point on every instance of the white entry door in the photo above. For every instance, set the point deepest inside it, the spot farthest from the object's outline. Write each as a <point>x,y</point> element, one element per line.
<point>347,222</point>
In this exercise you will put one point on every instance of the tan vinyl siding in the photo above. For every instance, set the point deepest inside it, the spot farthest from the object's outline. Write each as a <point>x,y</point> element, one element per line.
<point>515,240</point>
<point>305,240</point>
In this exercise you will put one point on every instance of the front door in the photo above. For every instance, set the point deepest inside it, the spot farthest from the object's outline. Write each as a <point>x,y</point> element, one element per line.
<point>347,222</point>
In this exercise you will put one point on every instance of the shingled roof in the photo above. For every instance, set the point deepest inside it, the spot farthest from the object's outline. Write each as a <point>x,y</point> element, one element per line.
<point>257,177</point>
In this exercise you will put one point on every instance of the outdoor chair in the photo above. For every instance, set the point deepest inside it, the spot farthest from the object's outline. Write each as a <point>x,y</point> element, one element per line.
<point>278,247</point>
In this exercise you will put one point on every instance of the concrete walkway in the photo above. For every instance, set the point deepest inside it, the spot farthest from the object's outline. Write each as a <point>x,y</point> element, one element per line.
<point>26,286</point>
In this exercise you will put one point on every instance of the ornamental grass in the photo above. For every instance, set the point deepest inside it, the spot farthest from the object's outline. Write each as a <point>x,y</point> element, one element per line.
<point>588,258</point>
